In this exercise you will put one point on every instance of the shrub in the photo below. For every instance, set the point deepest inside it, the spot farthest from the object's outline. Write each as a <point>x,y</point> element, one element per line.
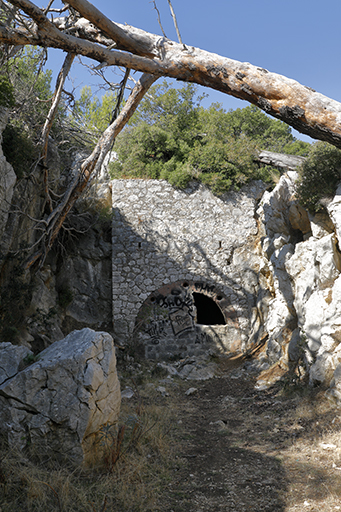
<point>319,176</point>
<point>172,137</point>
<point>19,149</point>
<point>6,92</point>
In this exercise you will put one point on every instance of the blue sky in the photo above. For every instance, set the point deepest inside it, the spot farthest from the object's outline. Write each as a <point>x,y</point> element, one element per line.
<point>300,39</point>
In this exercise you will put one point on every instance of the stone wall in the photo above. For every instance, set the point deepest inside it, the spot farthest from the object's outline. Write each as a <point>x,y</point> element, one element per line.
<point>169,244</point>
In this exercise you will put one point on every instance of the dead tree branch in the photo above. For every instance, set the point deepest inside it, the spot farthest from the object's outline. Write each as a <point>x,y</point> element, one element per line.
<point>176,24</point>
<point>89,168</point>
<point>49,121</point>
<point>159,18</point>
<point>88,32</point>
<point>299,106</point>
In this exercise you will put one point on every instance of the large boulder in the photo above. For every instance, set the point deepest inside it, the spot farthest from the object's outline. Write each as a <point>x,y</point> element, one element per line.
<point>58,404</point>
<point>12,357</point>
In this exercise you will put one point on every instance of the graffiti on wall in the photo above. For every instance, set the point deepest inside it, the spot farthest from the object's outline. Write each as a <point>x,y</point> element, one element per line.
<point>156,329</point>
<point>203,287</point>
<point>171,313</point>
<point>181,321</point>
<point>167,323</point>
<point>205,338</point>
<point>181,311</point>
<point>168,319</point>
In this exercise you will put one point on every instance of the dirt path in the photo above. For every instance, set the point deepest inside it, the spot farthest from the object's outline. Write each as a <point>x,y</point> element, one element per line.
<point>247,450</point>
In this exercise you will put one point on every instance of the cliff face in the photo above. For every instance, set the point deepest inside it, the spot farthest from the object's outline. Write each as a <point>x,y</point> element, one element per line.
<point>73,288</point>
<point>272,270</point>
<point>302,256</point>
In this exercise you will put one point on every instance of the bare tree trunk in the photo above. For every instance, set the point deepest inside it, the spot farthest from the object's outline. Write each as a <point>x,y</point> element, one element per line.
<point>44,138</point>
<point>90,167</point>
<point>286,162</point>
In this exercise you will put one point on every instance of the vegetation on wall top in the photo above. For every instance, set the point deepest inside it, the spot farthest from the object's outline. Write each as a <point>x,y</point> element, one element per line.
<point>173,137</point>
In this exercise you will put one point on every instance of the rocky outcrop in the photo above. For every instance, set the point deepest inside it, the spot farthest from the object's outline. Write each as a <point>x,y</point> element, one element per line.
<point>58,404</point>
<point>12,358</point>
<point>303,264</point>
<point>73,288</point>
<point>7,177</point>
<point>272,268</point>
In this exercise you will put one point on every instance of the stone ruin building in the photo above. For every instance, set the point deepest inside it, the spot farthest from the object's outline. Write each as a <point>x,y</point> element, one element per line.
<point>185,267</point>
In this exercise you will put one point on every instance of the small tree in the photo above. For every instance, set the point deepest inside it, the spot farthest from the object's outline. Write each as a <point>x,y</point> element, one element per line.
<point>28,91</point>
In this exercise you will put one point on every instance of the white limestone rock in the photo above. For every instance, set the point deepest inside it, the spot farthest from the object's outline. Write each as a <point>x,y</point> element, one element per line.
<point>321,224</point>
<point>334,210</point>
<point>277,230</point>
<point>59,403</point>
<point>273,211</point>
<point>299,218</point>
<point>315,273</point>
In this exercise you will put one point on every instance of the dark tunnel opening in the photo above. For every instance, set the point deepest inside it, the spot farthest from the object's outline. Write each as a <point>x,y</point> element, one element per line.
<point>208,311</point>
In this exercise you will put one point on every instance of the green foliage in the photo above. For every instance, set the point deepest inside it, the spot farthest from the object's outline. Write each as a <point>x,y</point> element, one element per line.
<point>25,90</point>
<point>298,148</point>
<point>319,176</point>
<point>6,92</point>
<point>92,115</point>
<point>172,137</point>
<point>32,88</point>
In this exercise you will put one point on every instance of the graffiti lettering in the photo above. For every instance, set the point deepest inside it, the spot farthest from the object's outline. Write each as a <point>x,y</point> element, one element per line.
<point>156,330</point>
<point>175,300</point>
<point>206,338</point>
<point>204,287</point>
<point>181,321</point>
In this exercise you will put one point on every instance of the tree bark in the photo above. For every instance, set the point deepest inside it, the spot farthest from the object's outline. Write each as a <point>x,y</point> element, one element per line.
<point>44,138</point>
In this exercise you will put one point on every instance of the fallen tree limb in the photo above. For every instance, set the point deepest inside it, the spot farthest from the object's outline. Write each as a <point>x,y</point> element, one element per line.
<point>299,106</point>
<point>286,162</point>
<point>88,32</point>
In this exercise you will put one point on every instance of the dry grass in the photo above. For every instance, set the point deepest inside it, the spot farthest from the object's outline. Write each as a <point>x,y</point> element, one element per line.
<point>302,432</point>
<point>133,483</point>
<point>313,462</point>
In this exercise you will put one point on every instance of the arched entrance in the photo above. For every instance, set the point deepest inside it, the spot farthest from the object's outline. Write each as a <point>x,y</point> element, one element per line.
<point>186,318</point>
<point>208,312</point>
